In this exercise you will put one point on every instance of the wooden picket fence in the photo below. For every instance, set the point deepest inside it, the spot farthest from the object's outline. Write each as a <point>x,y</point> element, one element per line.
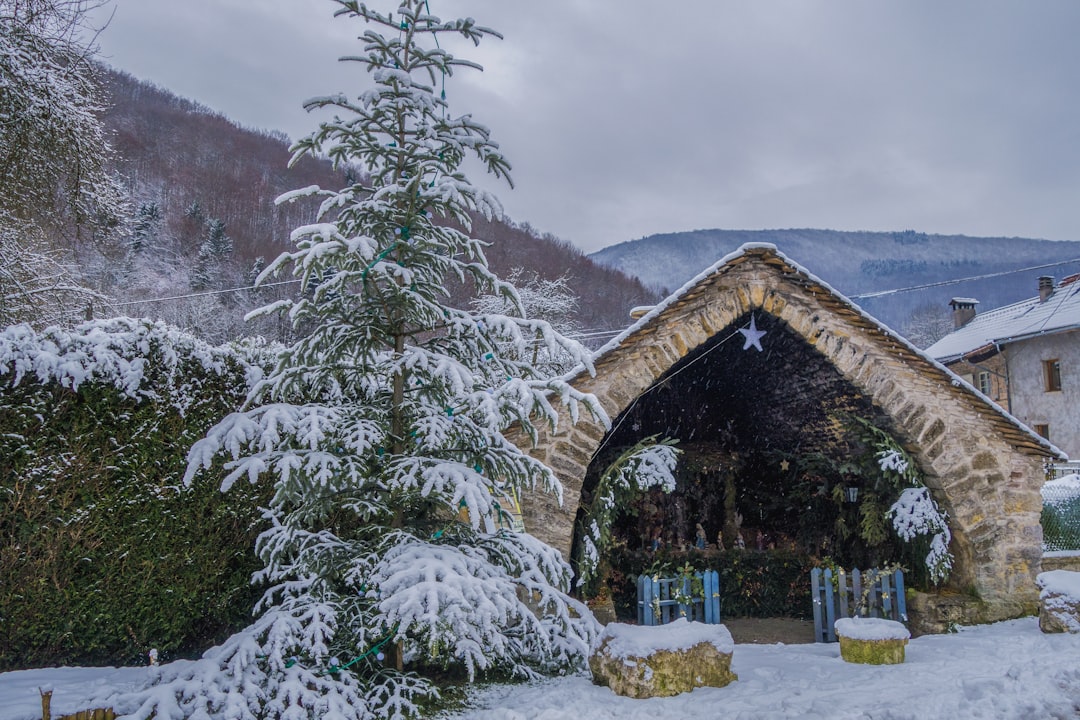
<point>658,599</point>
<point>868,594</point>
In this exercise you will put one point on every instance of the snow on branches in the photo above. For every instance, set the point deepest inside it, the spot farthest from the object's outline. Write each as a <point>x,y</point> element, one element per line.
<point>122,352</point>
<point>646,465</point>
<point>915,513</point>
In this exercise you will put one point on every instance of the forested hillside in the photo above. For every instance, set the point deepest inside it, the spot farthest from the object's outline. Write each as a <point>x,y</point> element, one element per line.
<point>203,219</point>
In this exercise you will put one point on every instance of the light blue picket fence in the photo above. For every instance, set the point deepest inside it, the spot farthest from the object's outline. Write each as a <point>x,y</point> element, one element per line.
<point>659,599</point>
<point>868,594</point>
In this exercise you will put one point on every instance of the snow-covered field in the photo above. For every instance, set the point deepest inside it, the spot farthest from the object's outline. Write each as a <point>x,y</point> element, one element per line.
<point>1005,670</point>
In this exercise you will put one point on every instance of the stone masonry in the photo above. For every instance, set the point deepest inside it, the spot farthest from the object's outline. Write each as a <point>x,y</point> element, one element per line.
<point>984,468</point>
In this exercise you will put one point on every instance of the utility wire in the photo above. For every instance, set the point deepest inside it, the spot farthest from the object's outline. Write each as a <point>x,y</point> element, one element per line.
<point>202,294</point>
<point>879,293</point>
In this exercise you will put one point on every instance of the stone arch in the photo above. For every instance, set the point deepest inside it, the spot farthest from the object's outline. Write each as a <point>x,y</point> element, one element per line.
<point>982,466</point>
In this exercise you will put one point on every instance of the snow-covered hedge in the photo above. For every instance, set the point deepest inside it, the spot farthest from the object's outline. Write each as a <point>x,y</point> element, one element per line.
<point>103,552</point>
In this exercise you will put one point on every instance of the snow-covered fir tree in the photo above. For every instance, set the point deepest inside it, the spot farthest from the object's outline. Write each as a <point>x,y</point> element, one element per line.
<point>390,548</point>
<point>214,252</point>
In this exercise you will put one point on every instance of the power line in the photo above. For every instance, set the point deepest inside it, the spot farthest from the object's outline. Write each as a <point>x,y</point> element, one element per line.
<point>956,281</point>
<point>202,294</point>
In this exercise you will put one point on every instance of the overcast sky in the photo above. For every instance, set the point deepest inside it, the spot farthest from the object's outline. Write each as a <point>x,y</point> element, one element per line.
<point>624,118</point>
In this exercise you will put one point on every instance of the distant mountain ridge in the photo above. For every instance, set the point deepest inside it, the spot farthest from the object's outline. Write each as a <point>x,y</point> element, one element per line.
<point>862,262</point>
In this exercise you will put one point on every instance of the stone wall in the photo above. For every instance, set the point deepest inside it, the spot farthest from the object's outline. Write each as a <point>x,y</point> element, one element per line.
<point>997,374</point>
<point>1061,562</point>
<point>983,469</point>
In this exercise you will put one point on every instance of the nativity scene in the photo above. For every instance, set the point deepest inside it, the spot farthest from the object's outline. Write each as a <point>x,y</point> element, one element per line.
<point>800,432</point>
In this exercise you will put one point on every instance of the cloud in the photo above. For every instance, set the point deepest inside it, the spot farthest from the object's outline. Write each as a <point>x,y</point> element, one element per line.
<point>627,118</point>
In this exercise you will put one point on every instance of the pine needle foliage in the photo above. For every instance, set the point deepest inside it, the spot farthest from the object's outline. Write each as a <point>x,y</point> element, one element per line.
<point>390,549</point>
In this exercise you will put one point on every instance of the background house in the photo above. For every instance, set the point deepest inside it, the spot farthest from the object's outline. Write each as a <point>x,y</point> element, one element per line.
<point>1025,357</point>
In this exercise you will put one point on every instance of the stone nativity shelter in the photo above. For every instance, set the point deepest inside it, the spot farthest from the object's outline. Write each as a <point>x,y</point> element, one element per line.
<point>750,366</point>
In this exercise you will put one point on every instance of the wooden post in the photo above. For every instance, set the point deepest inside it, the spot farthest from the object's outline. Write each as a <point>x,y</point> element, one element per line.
<point>46,704</point>
<point>830,607</point>
<point>815,591</point>
<point>901,600</point>
<point>843,582</point>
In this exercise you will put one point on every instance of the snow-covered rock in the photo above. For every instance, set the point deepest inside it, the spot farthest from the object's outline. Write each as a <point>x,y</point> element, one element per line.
<point>1059,601</point>
<point>663,660</point>
<point>872,641</point>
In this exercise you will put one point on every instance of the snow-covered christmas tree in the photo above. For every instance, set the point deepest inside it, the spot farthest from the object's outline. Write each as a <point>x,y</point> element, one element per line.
<point>390,547</point>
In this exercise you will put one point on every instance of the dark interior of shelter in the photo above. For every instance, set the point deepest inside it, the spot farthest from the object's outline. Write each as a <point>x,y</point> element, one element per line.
<point>774,476</point>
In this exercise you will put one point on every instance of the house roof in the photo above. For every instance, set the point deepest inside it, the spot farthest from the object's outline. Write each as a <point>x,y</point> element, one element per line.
<point>671,309</point>
<point>1019,321</point>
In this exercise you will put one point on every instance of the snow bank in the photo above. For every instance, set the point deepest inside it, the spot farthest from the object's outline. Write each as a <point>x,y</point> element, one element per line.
<point>1063,484</point>
<point>1005,671</point>
<point>628,641</point>
<point>871,629</point>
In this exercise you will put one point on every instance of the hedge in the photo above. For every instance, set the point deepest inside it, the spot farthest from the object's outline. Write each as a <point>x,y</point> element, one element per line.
<point>753,583</point>
<point>104,553</point>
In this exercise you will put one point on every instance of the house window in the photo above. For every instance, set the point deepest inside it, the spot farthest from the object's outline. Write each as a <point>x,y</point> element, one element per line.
<point>984,383</point>
<point>1043,430</point>
<point>1052,373</point>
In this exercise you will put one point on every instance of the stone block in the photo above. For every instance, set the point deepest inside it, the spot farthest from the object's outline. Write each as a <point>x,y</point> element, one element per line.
<point>662,660</point>
<point>872,641</point>
<point>1059,601</point>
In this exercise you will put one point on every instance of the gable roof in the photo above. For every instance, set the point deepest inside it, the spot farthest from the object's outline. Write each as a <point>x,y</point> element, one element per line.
<point>787,271</point>
<point>1019,321</point>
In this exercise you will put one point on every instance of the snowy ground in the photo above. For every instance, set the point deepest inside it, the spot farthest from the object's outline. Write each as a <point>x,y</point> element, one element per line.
<point>1006,670</point>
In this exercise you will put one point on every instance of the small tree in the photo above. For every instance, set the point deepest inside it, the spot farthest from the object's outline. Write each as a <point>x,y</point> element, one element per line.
<point>145,228</point>
<point>51,140</point>
<point>214,253</point>
<point>389,545</point>
<point>35,286</point>
<point>927,324</point>
<point>549,300</point>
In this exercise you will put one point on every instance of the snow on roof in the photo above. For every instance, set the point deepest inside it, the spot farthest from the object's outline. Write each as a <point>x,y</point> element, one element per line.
<point>1027,318</point>
<point>964,301</point>
<point>745,249</point>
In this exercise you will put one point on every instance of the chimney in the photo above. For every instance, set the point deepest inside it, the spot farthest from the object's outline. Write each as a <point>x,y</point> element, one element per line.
<point>963,310</point>
<point>1046,288</point>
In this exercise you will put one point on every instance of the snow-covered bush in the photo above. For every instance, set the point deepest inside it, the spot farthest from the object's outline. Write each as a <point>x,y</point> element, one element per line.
<point>914,515</point>
<point>382,428</point>
<point>646,465</point>
<point>94,426</point>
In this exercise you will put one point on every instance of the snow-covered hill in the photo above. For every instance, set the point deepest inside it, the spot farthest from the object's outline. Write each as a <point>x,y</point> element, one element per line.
<point>862,262</point>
